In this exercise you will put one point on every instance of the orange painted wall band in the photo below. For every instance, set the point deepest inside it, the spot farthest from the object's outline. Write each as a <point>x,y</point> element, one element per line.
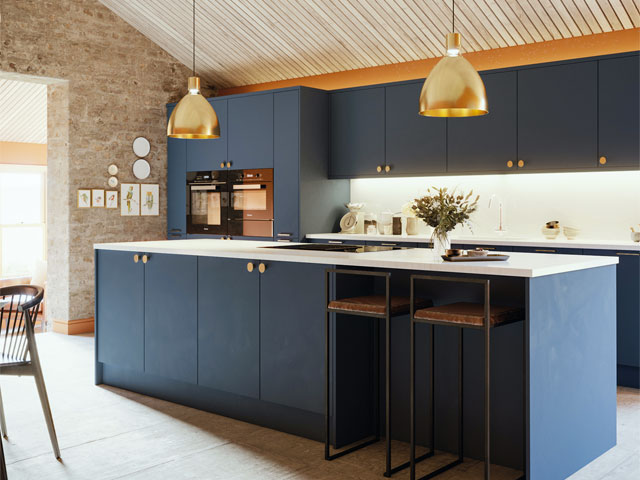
<point>552,51</point>
<point>16,153</point>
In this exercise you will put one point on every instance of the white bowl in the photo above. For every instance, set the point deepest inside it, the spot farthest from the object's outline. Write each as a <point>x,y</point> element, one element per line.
<point>550,233</point>
<point>635,236</point>
<point>570,232</point>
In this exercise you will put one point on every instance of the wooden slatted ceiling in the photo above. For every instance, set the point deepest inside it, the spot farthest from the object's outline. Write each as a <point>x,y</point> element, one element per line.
<point>23,107</point>
<point>243,42</point>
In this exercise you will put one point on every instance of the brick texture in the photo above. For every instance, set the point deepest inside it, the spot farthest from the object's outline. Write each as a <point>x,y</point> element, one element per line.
<point>115,85</point>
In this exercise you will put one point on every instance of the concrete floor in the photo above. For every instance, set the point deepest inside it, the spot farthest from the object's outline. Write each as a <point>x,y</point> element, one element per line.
<point>106,432</point>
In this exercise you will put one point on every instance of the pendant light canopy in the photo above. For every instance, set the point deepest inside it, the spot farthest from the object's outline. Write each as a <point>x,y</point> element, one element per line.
<point>193,116</point>
<point>453,88</point>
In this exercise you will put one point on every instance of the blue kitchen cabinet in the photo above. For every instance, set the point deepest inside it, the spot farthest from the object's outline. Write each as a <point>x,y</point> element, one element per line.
<point>210,154</point>
<point>413,144</point>
<point>487,143</point>
<point>171,316</point>
<point>119,310</point>
<point>628,310</point>
<point>619,115</point>
<point>357,132</point>
<point>286,165</point>
<point>558,117</point>
<point>176,188</point>
<point>561,251</point>
<point>292,322</point>
<point>229,326</point>
<point>250,139</point>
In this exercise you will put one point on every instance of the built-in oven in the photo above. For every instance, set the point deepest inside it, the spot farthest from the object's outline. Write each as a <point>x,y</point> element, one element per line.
<point>207,202</point>
<point>251,202</point>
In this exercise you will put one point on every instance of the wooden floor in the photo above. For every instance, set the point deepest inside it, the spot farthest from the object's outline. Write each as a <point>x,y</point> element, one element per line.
<point>106,432</point>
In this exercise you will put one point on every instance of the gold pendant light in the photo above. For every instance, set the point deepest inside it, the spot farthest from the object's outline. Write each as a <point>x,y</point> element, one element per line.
<point>453,88</point>
<point>193,116</point>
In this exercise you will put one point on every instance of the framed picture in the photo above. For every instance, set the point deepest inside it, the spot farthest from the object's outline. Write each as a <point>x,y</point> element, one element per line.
<point>84,198</point>
<point>149,197</point>
<point>111,199</point>
<point>97,198</point>
<point>129,199</point>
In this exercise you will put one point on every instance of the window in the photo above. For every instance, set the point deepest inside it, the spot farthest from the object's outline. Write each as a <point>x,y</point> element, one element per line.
<point>22,218</point>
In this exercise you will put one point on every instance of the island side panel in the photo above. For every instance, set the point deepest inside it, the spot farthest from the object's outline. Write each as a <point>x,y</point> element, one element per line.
<point>572,370</point>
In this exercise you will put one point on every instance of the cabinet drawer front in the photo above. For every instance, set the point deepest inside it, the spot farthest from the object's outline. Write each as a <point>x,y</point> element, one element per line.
<point>120,309</point>
<point>229,325</point>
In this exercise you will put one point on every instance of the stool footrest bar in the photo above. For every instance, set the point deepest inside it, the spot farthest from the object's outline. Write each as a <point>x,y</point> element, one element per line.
<point>351,449</point>
<point>407,464</point>
<point>442,469</point>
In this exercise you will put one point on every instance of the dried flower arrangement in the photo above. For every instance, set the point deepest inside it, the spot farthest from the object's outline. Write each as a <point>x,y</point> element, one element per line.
<point>443,211</point>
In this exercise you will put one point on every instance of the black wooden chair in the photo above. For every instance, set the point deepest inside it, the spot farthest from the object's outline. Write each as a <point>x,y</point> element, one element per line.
<point>19,305</point>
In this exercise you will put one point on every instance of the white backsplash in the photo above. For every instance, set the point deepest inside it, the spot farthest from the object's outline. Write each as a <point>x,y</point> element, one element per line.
<point>602,204</point>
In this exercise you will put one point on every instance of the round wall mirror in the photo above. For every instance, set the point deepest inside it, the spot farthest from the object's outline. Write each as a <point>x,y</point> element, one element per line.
<point>113,182</point>
<point>113,169</point>
<point>141,169</point>
<point>141,147</point>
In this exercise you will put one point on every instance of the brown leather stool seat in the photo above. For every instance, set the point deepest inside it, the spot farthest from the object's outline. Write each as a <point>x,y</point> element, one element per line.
<point>377,304</point>
<point>466,313</point>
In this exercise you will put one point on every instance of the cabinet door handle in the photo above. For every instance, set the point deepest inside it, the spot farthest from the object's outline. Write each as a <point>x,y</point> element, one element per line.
<point>627,253</point>
<point>250,267</point>
<point>285,234</point>
<point>603,160</point>
<point>510,164</point>
<point>136,258</point>
<point>379,168</point>
<point>262,267</point>
<point>387,168</point>
<point>521,163</point>
<point>545,251</point>
<point>389,244</point>
<point>228,164</point>
<point>335,241</point>
<point>283,240</point>
<point>221,164</point>
<point>484,248</point>
<point>145,258</point>
<point>179,230</point>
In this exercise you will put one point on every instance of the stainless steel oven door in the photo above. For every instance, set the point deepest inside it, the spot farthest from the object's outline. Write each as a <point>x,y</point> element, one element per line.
<point>207,209</point>
<point>251,201</point>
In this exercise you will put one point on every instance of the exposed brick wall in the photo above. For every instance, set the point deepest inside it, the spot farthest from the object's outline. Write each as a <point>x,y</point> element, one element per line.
<point>118,84</point>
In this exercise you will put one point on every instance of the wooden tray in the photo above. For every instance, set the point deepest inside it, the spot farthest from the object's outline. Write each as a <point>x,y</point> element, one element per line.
<point>492,257</point>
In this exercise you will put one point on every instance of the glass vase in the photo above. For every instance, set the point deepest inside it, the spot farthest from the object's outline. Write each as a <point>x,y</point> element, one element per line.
<point>441,243</point>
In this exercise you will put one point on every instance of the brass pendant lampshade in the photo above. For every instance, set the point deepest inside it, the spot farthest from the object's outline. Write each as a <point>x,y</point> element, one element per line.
<point>453,88</point>
<point>193,116</point>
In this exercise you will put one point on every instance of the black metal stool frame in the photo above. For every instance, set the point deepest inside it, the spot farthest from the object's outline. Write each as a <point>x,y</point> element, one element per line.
<point>486,327</point>
<point>389,471</point>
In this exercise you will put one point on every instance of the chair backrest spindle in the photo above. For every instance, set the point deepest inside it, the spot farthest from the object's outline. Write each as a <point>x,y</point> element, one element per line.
<point>22,302</point>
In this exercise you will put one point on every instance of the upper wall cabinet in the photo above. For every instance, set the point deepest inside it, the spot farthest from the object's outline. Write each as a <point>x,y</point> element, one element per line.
<point>487,143</point>
<point>176,187</point>
<point>251,131</point>
<point>357,132</point>
<point>210,154</point>
<point>413,144</point>
<point>619,112</point>
<point>558,117</point>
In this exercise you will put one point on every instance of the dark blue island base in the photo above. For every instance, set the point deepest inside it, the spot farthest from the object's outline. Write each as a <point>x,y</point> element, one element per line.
<point>250,346</point>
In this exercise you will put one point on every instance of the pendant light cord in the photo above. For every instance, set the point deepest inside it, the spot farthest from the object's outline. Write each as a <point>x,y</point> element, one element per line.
<point>453,23</point>
<point>194,39</point>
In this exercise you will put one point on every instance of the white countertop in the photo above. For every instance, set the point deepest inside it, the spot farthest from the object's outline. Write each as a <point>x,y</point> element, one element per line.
<point>560,242</point>
<point>518,265</point>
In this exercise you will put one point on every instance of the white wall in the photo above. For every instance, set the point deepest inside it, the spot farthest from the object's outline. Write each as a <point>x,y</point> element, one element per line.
<point>602,204</point>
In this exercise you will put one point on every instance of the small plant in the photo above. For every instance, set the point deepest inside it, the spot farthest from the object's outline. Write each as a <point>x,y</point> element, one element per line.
<point>444,211</point>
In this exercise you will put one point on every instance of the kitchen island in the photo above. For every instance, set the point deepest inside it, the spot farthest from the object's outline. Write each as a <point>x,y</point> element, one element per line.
<point>238,329</point>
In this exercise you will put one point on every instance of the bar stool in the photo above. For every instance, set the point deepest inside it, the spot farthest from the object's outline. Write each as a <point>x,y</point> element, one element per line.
<point>461,315</point>
<point>375,306</point>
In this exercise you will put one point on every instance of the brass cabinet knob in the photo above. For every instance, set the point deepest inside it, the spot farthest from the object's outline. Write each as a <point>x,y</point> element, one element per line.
<point>250,267</point>
<point>379,168</point>
<point>603,160</point>
<point>228,164</point>
<point>145,259</point>
<point>387,168</point>
<point>262,268</point>
<point>136,258</point>
<point>521,163</point>
<point>221,164</point>
<point>510,164</point>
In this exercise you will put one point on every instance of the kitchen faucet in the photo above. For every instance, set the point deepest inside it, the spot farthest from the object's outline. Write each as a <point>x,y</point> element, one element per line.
<point>500,228</point>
